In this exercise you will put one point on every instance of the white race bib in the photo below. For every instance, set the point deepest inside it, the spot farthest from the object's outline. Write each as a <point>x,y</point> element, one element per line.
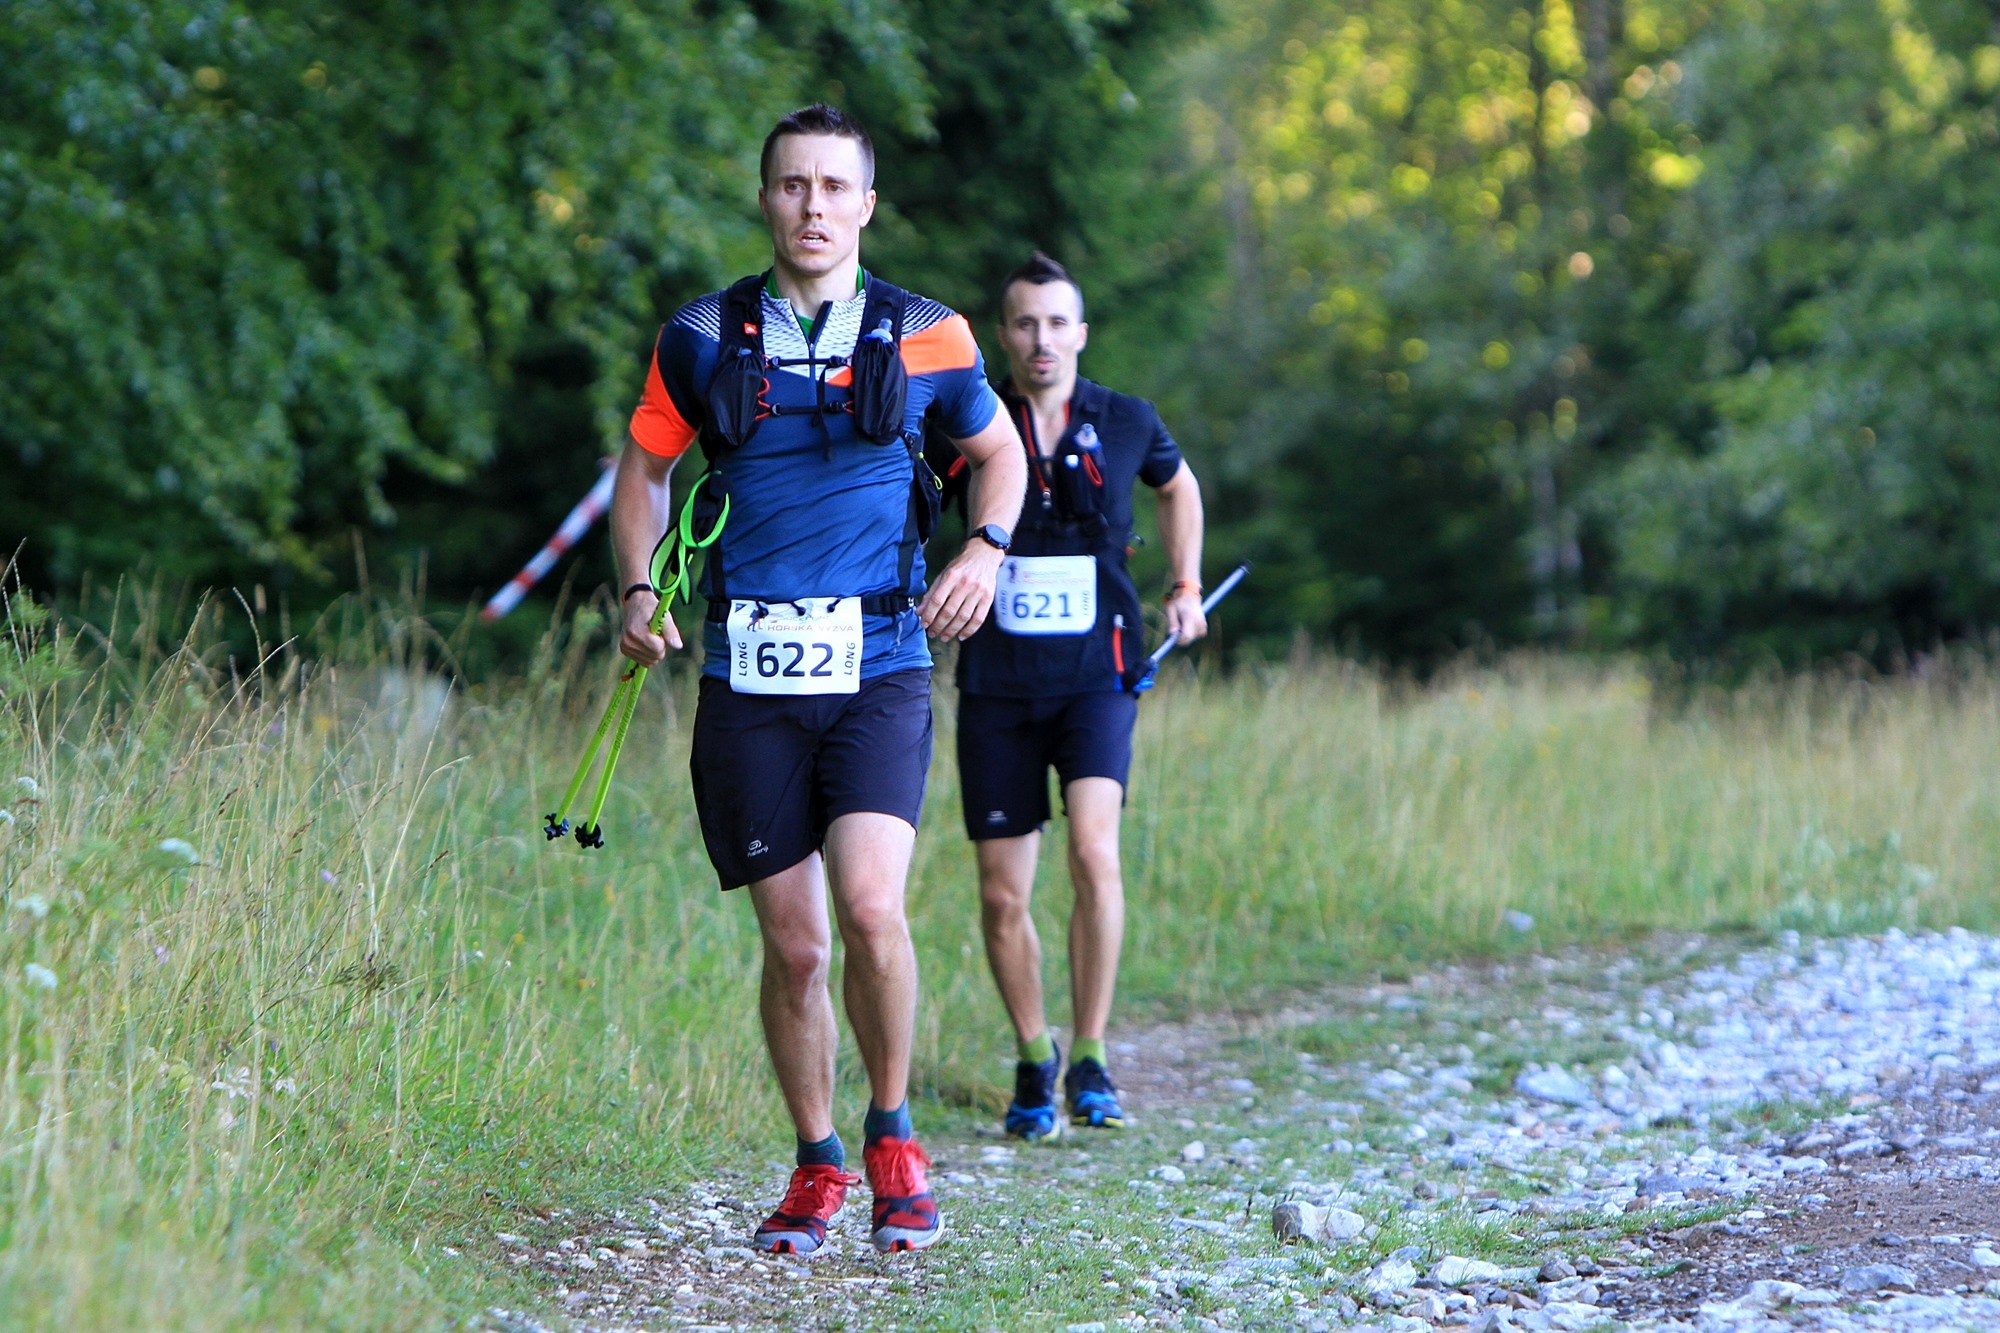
<point>811,646</point>
<point>1047,594</point>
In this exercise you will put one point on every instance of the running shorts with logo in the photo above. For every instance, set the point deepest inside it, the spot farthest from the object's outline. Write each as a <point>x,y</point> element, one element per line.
<point>1007,746</point>
<point>771,774</point>
<point>816,510</point>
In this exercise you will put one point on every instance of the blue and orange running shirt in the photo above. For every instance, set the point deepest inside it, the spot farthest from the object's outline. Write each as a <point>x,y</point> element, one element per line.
<point>816,508</point>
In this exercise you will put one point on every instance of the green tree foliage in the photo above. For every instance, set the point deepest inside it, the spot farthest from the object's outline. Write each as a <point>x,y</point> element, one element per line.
<point>258,256</point>
<point>1444,215</point>
<point>1847,305</point>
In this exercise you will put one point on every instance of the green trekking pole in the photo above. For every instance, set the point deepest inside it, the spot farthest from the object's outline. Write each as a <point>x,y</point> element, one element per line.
<point>670,565</point>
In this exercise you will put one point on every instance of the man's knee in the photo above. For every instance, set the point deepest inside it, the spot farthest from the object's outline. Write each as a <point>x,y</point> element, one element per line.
<point>1095,864</point>
<point>799,961</point>
<point>875,925</point>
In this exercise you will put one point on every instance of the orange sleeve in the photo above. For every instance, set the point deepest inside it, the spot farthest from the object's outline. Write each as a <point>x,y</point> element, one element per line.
<point>657,425</point>
<point>946,345</point>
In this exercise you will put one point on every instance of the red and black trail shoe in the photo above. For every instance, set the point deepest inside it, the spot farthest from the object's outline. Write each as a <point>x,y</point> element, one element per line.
<point>906,1216</point>
<point>815,1201</point>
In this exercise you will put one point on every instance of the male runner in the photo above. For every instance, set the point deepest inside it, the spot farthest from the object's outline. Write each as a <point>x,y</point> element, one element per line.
<point>805,389</point>
<point>1046,681</point>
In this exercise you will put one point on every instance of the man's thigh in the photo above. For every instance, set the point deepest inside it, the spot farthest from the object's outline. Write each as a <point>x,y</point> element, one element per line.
<point>875,756</point>
<point>1003,765</point>
<point>752,761</point>
<point>1092,738</point>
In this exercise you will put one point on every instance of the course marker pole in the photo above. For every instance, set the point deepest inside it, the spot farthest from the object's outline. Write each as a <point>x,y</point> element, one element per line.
<point>587,511</point>
<point>1222,590</point>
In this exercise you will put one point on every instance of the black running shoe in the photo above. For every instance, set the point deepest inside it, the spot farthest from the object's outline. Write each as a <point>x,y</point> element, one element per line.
<point>1032,1114</point>
<point>1092,1099</point>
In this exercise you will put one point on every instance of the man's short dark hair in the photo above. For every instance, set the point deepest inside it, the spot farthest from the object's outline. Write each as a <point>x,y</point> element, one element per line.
<point>1041,271</point>
<point>819,118</point>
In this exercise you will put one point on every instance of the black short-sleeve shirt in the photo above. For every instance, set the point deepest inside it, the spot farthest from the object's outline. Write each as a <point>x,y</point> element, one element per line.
<point>1136,447</point>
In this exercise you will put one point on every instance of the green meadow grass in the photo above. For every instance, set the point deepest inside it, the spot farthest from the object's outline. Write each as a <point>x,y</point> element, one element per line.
<point>294,994</point>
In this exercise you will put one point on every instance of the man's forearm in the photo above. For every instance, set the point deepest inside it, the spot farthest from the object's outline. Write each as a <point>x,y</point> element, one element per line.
<point>641,507</point>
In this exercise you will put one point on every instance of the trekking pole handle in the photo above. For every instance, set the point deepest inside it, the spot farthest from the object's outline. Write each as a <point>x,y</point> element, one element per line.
<point>1222,590</point>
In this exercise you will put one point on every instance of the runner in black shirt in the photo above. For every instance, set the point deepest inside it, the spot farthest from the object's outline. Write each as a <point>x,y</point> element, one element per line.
<point>1046,682</point>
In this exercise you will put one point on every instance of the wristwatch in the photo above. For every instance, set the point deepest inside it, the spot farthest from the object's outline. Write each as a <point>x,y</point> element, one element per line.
<point>994,535</point>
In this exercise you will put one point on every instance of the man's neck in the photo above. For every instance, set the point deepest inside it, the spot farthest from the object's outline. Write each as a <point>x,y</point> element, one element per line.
<point>808,292</point>
<point>1050,400</point>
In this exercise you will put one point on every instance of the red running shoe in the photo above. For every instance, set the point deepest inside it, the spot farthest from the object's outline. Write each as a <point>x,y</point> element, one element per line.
<point>906,1216</point>
<point>815,1201</point>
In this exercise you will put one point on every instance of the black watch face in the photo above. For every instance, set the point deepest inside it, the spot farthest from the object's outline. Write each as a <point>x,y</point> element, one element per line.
<point>995,535</point>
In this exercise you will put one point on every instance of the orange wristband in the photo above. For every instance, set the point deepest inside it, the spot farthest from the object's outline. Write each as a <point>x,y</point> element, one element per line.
<point>1174,589</point>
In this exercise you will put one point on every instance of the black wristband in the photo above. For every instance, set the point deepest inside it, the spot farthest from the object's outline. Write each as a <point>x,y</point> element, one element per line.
<point>638,587</point>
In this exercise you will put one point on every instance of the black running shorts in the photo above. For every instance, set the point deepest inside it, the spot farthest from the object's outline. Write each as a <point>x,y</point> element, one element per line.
<point>1006,747</point>
<point>772,772</point>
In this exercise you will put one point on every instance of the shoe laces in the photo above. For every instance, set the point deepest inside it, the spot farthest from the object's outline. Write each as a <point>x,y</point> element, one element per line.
<point>1089,1076</point>
<point>816,1190</point>
<point>896,1167</point>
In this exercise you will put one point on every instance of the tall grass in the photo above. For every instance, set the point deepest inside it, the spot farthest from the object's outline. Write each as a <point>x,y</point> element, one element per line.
<point>325,1003</point>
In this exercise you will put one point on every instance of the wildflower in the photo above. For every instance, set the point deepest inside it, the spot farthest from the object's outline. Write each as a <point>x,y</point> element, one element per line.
<point>286,1085</point>
<point>328,877</point>
<point>234,1084</point>
<point>160,952</point>
<point>28,787</point>
<point>33,904</point>
<point>41,978</point>
<point>181,850</point>
<point>6,816</point>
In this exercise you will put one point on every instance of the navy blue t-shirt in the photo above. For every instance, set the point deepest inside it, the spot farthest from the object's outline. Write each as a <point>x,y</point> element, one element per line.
<point>816,508</point>
<point>1135,447</point>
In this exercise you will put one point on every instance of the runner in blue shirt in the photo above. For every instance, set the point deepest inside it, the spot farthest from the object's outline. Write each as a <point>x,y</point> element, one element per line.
<point>806,389</point>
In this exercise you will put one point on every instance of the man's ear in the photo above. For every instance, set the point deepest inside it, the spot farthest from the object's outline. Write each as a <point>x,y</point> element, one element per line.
<point>1082,336</point>
<point>763,205</point>
<point>868,210</point>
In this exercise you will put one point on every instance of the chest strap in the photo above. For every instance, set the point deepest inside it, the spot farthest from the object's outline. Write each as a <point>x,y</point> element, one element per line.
<point>874,604</point>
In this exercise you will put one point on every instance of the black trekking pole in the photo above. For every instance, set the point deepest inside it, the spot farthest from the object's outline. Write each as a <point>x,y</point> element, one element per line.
<point>1222,590</point>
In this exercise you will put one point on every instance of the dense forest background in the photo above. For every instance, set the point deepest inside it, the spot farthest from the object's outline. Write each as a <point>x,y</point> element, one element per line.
<point>1592,323</point>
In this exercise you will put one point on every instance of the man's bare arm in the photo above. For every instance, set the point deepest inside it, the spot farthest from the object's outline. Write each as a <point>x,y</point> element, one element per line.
<point>641,509</point>
<point>959,599</point>
<point>1180,535</point>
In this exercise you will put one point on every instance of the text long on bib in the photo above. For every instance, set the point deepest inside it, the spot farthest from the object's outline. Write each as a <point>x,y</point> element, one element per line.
<point>1046,594</point>
<point>811,646</point>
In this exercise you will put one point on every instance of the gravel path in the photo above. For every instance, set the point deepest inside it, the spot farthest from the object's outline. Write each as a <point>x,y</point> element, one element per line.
<point>1795,1137</point>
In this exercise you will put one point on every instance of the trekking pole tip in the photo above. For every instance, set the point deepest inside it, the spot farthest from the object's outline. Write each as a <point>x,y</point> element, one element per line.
<point>555,827</point>
<point>589,835</point>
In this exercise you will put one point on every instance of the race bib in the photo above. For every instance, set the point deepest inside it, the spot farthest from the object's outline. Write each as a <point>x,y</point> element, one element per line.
<point>1046,594</point>
<point>811,646</point>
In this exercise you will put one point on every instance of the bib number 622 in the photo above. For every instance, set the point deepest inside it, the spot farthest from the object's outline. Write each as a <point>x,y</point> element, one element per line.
<point>789,660</point>
<point>812,646</point>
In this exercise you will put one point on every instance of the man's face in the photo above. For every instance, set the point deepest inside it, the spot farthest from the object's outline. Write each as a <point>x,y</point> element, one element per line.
<point>1042,332</point>
<point>817,201</point>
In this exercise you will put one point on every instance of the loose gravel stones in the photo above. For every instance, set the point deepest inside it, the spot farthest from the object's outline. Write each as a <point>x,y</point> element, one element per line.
<point>1798,1137</point>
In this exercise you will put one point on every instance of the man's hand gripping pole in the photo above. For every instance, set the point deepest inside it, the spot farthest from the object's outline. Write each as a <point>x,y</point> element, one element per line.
<point>670,569</point>
<point>1222,590</point>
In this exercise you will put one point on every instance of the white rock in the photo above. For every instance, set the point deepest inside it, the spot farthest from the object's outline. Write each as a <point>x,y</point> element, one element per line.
<point>1986,1256</point>
<point>1457,1271</point>
<point>1389,1277</point>
<point>1554,1085</point>
<point>1769,1294</point>
<point>1173,1175</point>
<point>1194,1152</point>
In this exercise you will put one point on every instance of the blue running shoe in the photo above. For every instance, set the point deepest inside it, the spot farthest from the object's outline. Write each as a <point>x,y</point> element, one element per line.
<point>1032,1114</point>
<point>1092,1099</point>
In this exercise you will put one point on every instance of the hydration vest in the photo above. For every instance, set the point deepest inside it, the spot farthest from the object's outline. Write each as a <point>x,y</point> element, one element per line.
<point>877,398</point>
<point>1065,514</point>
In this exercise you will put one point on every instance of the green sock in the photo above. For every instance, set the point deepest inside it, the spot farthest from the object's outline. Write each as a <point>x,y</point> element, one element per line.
<point>1039,1051</point>
<point>1089,1048</point>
